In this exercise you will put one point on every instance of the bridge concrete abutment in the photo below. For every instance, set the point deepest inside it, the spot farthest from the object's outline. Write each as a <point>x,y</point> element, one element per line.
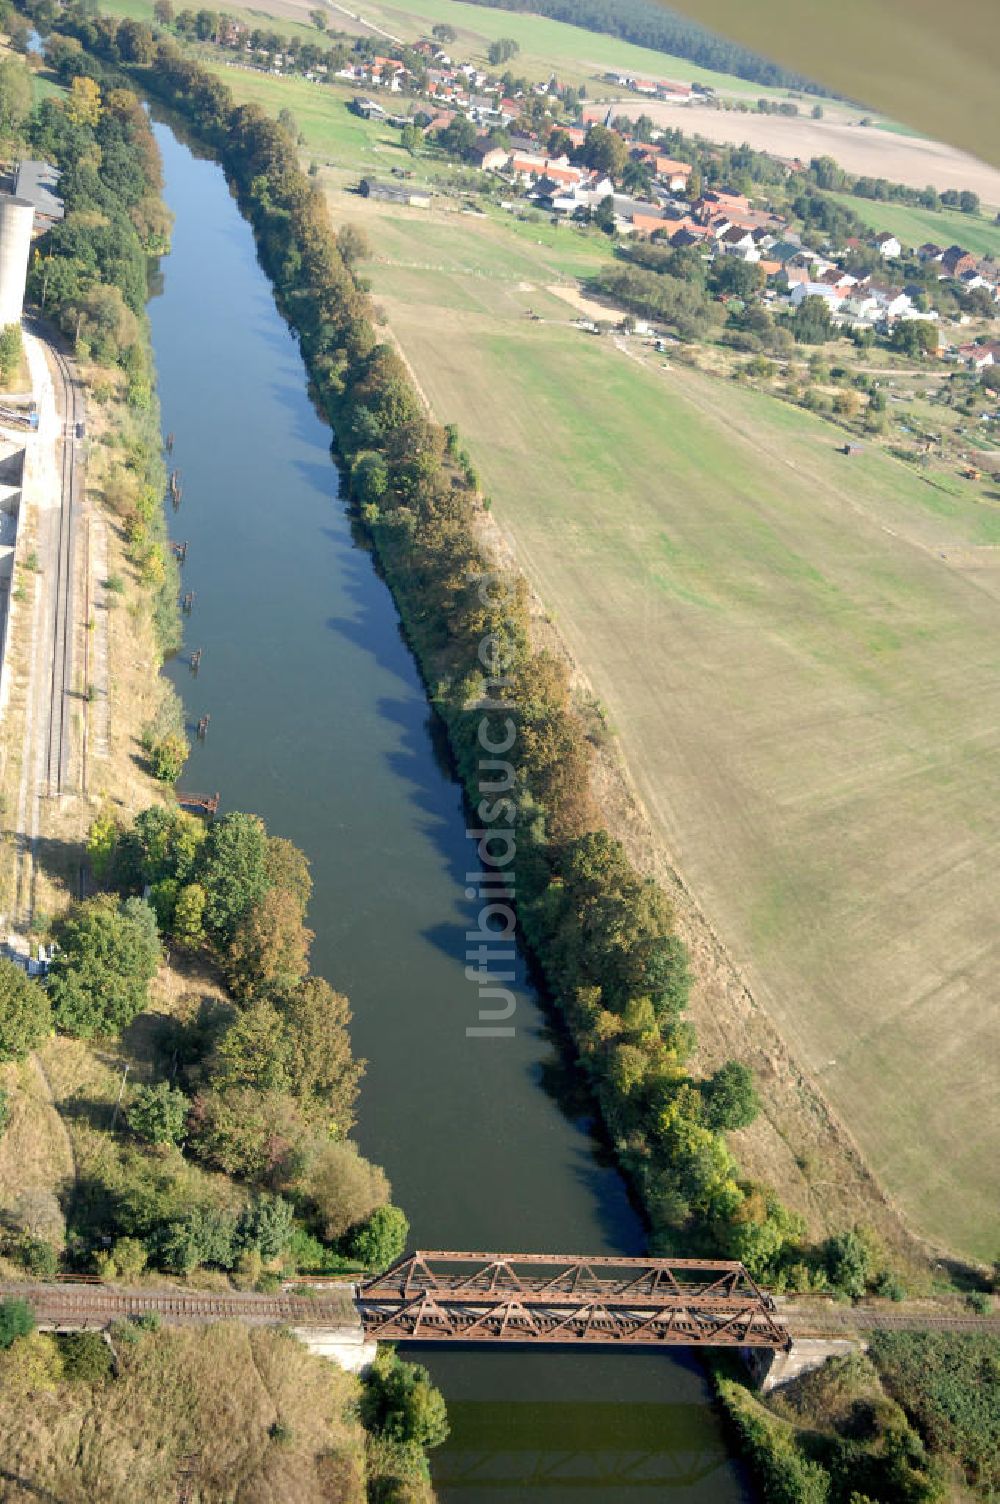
<point>771,1369</point>
<point>345,1344</point>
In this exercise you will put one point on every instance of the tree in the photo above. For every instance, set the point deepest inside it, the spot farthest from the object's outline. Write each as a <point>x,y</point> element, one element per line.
<point>25,1013</point>
<point>16,1320</point>
<point>353,244</point>
<point>163,11</point>
<point>102,837</point>
<point>442,32</point>
<point>234,872</point>
<point>189,911</point>
<point>459,137</point>
<point>915,337</point>
<point>605,151</point>
<point>968,201</point>
<point>10,351</point>
<point>502,50</point>
<point>344,1188</point>
<point>401,1403</point>
<point>324,1074</point>
<point>83,105</point>
<point>109,953</point>
<point>157,1114</point>
<point>729,1097</point>
<point>811,323</point>
<point>848,1263</point>
<point>15,95</point>
<point>380,1241</point>
<point>288,123</point>
<point>817,112</point>
<point>410,138</point>
<point>269,951</point>
<point>267,1225</point>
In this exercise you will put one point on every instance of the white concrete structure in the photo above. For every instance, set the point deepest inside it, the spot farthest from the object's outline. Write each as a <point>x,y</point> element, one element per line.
<point>347,1345</point>
<point>17,217</point>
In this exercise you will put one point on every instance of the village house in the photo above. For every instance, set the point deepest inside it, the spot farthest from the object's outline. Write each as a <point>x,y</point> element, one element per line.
<point>887,245</point>
<point>674,175</point>
<point>956,260</point>
<point>978,357</point>
<point>486,154</point>
<point>739,242</point>
<point>929,251</point>
<point>832,296</point>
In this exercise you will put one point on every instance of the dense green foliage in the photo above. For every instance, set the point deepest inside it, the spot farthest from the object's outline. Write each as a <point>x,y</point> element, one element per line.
<point>157,1114</point>
<point>837,1439</point>
<point>16,1320</point>
<point>262,1089</point>
<point>650,25</point>
<point>949,1384</point>
<point>108,955</point>
<point>25,1012</point>
<point>90,274</point>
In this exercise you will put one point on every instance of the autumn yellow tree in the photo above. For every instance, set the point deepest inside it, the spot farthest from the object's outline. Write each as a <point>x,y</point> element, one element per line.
<point>83,105</point>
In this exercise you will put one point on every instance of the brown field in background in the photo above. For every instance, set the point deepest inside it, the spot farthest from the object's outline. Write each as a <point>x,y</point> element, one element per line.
<point>866,150</point>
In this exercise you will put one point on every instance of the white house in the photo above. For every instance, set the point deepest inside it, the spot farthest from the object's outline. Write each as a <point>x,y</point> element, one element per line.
<point>739,242</point>
<point>887,245</point>
<point>831,296</point>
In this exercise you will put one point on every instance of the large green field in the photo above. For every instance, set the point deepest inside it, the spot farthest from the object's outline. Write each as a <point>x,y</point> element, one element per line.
<point>799,655</point>
<point>913,226</point>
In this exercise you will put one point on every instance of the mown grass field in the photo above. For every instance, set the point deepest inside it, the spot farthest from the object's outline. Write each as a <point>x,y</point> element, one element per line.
<point>798,652</point>
<point>913,226</point>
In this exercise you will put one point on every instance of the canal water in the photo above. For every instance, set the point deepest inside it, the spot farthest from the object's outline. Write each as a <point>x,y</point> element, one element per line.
<point>319,722</point>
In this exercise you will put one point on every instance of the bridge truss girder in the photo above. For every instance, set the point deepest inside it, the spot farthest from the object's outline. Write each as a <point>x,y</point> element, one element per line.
<point>538,1298</point>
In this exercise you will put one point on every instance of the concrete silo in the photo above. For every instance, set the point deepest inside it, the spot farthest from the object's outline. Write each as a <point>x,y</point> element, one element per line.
<point>16,220</point>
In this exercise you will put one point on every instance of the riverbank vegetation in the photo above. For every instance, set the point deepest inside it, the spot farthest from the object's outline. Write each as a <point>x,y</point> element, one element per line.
<point>228,1149</point>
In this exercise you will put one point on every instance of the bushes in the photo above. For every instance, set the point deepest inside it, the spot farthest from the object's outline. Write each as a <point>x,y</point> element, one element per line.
<point>381,1240</point>
<point>25,1012</point>
<point>157,1114</point>
<point>401,1404</point>
<point>109,953</point>
<point>86,1357</point>
<point>769,1444</point>
<point>949,1384</point>
<point>16,1320</point>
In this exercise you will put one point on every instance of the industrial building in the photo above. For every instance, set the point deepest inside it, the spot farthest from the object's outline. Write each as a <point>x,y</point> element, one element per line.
<point>31,209</point>
<point>36,181</point>
<point>17,218</point>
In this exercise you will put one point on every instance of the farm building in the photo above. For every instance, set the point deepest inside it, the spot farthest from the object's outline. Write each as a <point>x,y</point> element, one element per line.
<point>395,193</point>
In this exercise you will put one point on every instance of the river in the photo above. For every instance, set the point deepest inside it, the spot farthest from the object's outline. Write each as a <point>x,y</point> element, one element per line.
<point>319,722</point>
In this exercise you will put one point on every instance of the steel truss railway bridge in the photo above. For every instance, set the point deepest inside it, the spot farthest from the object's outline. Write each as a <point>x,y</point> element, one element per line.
<point>542,1298</point>
<point>486,1298</point>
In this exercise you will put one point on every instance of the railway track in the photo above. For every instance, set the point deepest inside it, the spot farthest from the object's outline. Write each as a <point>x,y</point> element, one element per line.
<point>61,687</point>
<point>94,1304</point>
